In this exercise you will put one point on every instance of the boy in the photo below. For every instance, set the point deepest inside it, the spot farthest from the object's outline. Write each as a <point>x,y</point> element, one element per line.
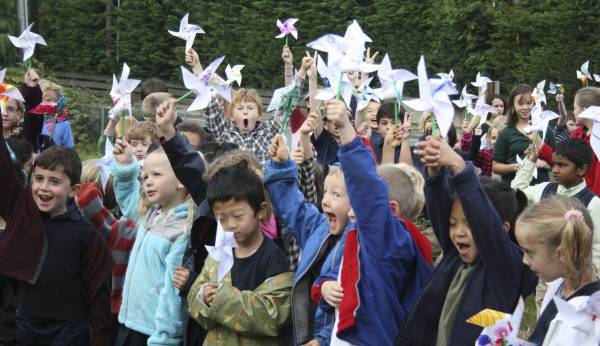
<point>381,274</point>
<point>62,266</point>
<point>385,122</point>
<point>140,137</point>
<point>247,130</point>
<point>194,133</point>
<point>572,158</point>
<point>251,304</point>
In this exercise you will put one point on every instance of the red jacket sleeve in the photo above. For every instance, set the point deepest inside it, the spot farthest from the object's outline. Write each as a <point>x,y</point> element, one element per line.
<point>546,152</point>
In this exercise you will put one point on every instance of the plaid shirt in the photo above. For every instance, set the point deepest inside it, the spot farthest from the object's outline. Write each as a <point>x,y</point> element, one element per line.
<point>484,157</point>
<point>306,181</point>
<point>257,141</point>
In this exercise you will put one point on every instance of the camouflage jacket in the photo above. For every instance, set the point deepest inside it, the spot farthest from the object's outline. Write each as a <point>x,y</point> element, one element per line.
<point>242,317</point>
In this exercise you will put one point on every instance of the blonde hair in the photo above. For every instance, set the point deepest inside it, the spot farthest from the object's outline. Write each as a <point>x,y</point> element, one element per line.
<point>130,123</point>
<point>425,116</point>
<point>400,189</point>
<point>245,95</point>
<point>570,236</point>
<point>587,97</point>
<point>418,184</point>
<point>89,171</point>
<point>47,86</point>
<point>143,129</point>
<point>499,123</point>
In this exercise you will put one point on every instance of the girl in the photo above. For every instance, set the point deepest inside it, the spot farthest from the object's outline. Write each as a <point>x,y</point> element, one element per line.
<point>62,127</point>
<point>584,98</point>
<point>556,236</point>
<point>11,117</point>
<point>499,103</point>
<point>514,140</point>
<point>151,307</point>
<point>481,267</point>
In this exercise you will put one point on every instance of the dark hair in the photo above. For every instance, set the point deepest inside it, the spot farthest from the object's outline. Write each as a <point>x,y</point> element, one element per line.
<point>386,110</point>
<point>575,150</point>
<point>194,127</point>
<point>238,183</point>
<point>59,157</point>
<point>521,89</point>
<point>213,150</point>
<point>22,149</point>
<point>152,85</point>
<point>452,136</point>
<point>508,203</point>
<point>492,97</point>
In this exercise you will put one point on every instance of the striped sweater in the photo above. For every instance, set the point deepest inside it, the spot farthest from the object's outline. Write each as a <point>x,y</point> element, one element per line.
<point>119,234</point>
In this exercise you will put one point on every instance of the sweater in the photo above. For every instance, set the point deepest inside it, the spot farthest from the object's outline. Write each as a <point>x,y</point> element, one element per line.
<point>119,234</point>
<point>498,279</point>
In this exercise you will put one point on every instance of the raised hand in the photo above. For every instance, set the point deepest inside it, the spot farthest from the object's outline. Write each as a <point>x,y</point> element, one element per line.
<point>307,63</point>
<point>297,155</point>
<point>286,56</point>
<point>31,78</point>
<point>312,71</point>
<point>279,151</point>
<point>436,153</point>
<point>166,115</point>
<point>122,152</point>
<point>310,124</point>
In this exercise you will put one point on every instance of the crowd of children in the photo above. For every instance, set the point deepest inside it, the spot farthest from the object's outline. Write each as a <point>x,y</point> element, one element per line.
<point>227,235</point>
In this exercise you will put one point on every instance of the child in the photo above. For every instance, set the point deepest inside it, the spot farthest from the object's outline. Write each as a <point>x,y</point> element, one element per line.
<point>481,157</point>
<point>247,130</point>
<point>584,98</point>
<point>481,267</point>
<point>320,237</point>
<point>151,306</point>
<point>572,159</point>
<point>32,123</point>
<point>556,236</point>
<point>15,110</point>
<point>385,122</point>
<point>566,122</point>
<point>251,305</point>
<point>62,127</point>
<point>513,140</point>
<point>62,266</point>
<point>381,273</point>
<point>194,133</point>
<point>140,137</point>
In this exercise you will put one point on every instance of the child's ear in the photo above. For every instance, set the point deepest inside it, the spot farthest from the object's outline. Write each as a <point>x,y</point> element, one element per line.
<point>395,207</point>
<point>262,213</point>
<point>581,170</point>
<point>506,226</point>
<point>74,190</point>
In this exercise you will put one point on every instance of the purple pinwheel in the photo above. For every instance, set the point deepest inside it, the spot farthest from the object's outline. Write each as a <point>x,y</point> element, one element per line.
<point>287,28</point>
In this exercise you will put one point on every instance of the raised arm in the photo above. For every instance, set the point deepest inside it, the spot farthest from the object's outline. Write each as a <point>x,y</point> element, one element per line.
<point>126,170</point>
<point>281,181</point>
<point>188,165</point>
<point>288,61</point>
<point>12,188</point>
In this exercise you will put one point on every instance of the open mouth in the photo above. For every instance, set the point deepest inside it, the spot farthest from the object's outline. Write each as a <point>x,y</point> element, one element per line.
<point>331,220</point>
<point>45,198</point>
<point>246,123</point>
<point>463,248</point>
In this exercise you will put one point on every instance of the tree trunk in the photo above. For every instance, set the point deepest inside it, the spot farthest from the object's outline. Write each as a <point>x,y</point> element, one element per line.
<point>108,41</point>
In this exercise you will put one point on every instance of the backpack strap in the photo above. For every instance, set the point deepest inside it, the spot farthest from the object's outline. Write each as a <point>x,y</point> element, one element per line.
<point>585,196</point>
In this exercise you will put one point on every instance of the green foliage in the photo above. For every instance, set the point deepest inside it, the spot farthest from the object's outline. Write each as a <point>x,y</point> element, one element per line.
<point>508,40</point>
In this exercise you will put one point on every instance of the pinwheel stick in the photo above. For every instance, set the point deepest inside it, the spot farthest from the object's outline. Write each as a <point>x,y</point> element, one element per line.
<point>27,64</point>
<point>122,123</point>
<point>466,113</point>
<point>338,95</point>
<point>286,43</point>
<point>433,125</point>
<point>396,112</point>
<point>53,125</point>
<point>184,96</point>
<point>284,122</point>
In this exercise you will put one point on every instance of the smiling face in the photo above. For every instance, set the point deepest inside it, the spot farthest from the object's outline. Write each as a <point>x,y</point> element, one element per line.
<point>372,109</point>
<point>460,234</point>
<point>335,204</point>
<point>523,104</point>
<point>539,257</point>
<point>245,116</point>
<point>385,124</point>
<point>160,184</point>
<point>239,217</point>
<point>51,189</point>
<point>498,104</point>
<point>566,172</point>
<point>140,147</point>
<point>12,116</point>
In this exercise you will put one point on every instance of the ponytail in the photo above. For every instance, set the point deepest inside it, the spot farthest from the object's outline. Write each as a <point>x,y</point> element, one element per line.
<point>564,224</point>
